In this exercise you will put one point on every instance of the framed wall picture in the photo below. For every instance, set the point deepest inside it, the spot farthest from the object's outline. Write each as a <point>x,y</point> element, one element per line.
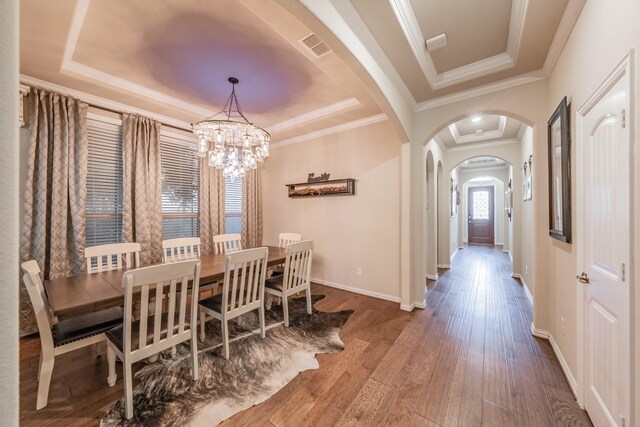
<point>559,173</point>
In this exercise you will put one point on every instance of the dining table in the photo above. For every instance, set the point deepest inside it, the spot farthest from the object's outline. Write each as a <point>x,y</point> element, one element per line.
<point>74,295</point>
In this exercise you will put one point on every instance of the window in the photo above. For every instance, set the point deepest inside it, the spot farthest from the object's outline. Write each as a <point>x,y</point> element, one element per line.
<point>180,187</point>
<point>104,181</point>
<point>233,205</point>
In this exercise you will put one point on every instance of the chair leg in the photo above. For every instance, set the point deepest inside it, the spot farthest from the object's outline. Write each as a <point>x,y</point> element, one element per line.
<point>111,361</point>
<point>128,390</point>
<point>285,310</point>
<point>194,355</point>
<point>309,308</point>
<point>261,314</point>
<point>225,338</point>
<point>46,369</point>
<point>202,320</point>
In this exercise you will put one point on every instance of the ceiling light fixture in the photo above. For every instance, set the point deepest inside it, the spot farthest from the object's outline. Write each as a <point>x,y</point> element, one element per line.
<point>232,143</point>
<point>476,119</point>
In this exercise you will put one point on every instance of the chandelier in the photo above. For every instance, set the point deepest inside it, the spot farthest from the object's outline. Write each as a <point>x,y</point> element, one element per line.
<point>230,141</point>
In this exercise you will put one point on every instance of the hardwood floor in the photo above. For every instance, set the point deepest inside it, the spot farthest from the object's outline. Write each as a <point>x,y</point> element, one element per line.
<point>468,359</point>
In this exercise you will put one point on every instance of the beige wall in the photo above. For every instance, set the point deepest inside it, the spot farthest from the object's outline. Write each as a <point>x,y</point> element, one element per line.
<point>350,232</point>
<point>529,209</point>
<point>604,33</point>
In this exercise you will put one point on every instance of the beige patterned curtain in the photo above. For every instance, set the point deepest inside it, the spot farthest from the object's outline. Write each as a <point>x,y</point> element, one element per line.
<point>142,186</point>
<point>211,205</point>
<point>252,209</point>
<point>53,231</point>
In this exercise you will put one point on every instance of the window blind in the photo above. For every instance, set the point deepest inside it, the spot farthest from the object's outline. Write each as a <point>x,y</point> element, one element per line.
<point>233,205</point>
<point>180,185</point>
<point>104,182</point>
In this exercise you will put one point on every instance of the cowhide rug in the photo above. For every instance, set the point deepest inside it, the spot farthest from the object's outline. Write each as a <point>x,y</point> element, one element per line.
<point>256,370</point>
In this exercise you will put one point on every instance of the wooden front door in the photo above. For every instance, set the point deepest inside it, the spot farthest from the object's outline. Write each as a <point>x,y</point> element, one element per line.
<point>480,215</point>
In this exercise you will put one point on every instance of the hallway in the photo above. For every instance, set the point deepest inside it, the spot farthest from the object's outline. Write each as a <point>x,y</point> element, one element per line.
<point>472,353</point>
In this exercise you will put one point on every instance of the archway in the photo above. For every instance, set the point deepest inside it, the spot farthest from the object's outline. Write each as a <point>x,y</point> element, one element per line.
<point>504,144</point>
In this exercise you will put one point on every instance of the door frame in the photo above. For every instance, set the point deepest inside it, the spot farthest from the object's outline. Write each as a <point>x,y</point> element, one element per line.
<point>622,71</point>
<point>493,208</point>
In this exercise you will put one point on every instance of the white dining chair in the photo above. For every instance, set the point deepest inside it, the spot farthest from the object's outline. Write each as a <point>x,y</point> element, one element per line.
<point>114,256</point>
<point>283,240</point>
<point>64,336</point>
<point>286,238</point>
<point>225,243</point>
<point>242,291</point>
<point>180,249</point>
<point>151,334</point>
<point>296,277</point>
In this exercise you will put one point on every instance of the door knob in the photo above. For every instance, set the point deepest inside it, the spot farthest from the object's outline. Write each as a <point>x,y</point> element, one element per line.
<point>583,278</point>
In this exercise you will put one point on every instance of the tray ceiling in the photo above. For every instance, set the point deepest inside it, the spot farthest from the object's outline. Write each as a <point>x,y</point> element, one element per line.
<point>174,58</point>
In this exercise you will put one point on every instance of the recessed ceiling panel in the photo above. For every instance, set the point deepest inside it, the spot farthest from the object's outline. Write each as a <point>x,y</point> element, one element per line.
<point>188,49</point>
<point>475,30</point>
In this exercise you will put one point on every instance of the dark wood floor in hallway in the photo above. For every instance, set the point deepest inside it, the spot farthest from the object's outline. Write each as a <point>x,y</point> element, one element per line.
<point>468,359</point>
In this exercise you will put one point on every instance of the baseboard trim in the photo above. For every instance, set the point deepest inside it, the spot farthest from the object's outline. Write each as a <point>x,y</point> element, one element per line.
<point>407,307</point>
<point>421,305</point>
<point>360,291</point>
<point>453,255</point>
<point>541,333</point>
<point>447,266</point>
<point>432,277</point>
<point>525,286</point>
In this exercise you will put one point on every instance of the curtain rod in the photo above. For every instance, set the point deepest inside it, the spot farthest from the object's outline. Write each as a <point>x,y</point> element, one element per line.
<point>80,96</point>
<point>122,112</point>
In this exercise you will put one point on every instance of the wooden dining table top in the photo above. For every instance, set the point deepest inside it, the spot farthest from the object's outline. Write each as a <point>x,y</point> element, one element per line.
<point>69,296</point>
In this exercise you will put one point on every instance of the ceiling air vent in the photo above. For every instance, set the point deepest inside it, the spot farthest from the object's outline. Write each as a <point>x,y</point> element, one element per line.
<point>315,45</point>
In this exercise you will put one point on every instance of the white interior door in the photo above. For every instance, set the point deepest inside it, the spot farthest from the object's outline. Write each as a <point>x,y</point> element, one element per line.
<point>606,211</point>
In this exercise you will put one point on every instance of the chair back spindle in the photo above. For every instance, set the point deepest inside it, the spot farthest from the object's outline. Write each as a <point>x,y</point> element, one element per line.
<point>180,249</point>
<point>151,283</point>
<point>297,267</point>
<point>225,243</point>
<point>285,239</point>
<point>113,256</point>
<point>243,286</point>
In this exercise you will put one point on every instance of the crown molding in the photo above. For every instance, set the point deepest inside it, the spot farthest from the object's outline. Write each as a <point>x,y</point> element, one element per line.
<point>481,90</point>
<point>492,134</point>
<point>484,145</point>
<point>409,23</point>
<point>331,130</point>
<point>567,22</point>
<point>315,115</point>
<point>352,19</point>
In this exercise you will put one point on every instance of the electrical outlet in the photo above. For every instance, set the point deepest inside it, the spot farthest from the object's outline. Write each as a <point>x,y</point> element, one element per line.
<point>359,271</point>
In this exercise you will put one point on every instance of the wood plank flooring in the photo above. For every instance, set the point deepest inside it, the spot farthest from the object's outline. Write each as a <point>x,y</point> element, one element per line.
<point>468,359</point>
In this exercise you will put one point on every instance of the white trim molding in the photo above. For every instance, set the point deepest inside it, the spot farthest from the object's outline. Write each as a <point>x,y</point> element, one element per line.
<point>432,276</point>
<point>365,292</point>
<point>447,266</point>
<point>409,23</point>
<point>571,379</point>
<point>492,134</point>
<point>331,130</point>
<point>318,114</point>
<point>524,285</point>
